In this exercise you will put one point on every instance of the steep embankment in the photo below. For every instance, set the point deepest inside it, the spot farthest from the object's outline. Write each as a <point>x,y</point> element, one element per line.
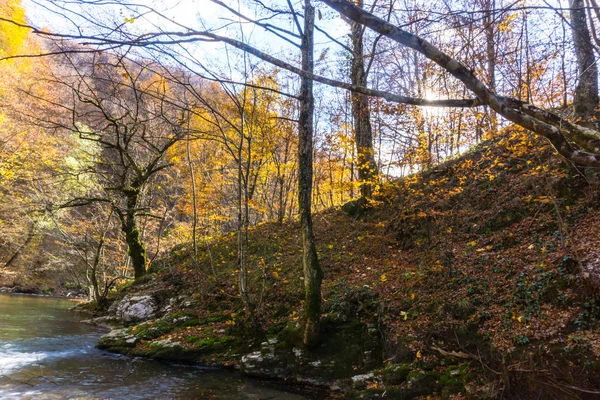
<point>472,279</point>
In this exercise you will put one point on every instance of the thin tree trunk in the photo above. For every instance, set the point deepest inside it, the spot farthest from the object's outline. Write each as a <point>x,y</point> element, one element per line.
<point>586,93</point>
<point>491,57</point>
<point>15,256</point>
<point>313,275</point>
<point>194,195</point>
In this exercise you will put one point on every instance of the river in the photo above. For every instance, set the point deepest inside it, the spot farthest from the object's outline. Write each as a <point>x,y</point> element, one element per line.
<point>46,353</point>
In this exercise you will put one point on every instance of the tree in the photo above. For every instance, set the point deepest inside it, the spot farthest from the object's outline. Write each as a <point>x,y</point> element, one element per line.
<point>127,112</point>
<point>586,98</point>
<point>313,275</point>
<point>560,132</point>
<point>363,133</point>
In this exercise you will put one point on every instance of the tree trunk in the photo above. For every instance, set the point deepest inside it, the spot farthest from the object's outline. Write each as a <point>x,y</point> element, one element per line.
<point>586,92</point>
<point>194,195</point>
<point>17,253</point>
<point>313,275</point>
<point>363,133</point>
<point>489,21</point>
<point>133,237</point>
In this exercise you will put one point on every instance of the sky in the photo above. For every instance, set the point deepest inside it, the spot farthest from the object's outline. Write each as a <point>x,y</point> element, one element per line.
<point>65,16</point>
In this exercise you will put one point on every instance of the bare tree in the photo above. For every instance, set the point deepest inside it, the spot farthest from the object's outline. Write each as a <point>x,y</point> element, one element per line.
<point>127,112</point>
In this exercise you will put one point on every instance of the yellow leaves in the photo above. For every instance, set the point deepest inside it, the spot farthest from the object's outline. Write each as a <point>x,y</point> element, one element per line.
<point>404,315</point>
<point>419,355</point>
<point>275,274</point>
<point>492,177</point>
<point>330,246</point>
<point>505,24</point>
<point>412,296</point>
<point>544,199</point>
<point>12,37</point>
<point>230,322</point>
<point>383,278</point>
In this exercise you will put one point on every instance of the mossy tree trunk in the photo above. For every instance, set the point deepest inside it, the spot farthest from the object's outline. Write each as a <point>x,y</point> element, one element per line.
<point>135,247</point>
<point>313,275</point>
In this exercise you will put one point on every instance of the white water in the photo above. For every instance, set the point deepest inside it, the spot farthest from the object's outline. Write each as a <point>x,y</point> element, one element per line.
<point>45,353</point>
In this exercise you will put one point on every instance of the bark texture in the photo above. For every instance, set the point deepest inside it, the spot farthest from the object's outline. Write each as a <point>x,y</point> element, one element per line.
<point>133,236</point>
<point>313,275</point>
<point>586,99</point>
<point>363,133</point>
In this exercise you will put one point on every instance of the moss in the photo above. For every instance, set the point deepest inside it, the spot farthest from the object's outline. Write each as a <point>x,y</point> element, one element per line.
<point>152,329</point>
<point>290,336</point>
<point>210,344</point>
<point>184,319</point>
<point>395,374</point>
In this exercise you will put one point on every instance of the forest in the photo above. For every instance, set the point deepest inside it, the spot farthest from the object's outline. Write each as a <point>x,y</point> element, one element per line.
<point>365,199</point>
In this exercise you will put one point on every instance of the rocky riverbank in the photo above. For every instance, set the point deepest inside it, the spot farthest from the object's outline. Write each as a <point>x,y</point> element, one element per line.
<point>461,282</point>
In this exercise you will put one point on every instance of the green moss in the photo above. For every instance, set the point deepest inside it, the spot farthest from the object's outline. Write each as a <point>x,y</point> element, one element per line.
<point>184,319</point>
<point>395,374</point>
<point>212,344</point>
<point>151,330</point>
<point>424,382</point>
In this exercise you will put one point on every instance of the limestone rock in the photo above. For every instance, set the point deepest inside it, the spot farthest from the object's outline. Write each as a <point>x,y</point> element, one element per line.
<point>136,308</point>
<point>117,338</point>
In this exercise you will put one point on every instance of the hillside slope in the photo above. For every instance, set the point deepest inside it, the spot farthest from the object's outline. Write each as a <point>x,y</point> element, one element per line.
<point>474,279</point>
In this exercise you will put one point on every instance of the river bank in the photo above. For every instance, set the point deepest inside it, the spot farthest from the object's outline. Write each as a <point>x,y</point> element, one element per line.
<point>463,281</point>
<point>460,282</point>
<point>46,353</point>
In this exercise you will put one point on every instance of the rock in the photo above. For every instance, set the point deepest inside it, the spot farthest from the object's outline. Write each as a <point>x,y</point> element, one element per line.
<point>173,302</point>
<point>362,378</point>
<point>117,338</point>
<point>360,381</point>
<point>136,309</point>
<point>165,343</point>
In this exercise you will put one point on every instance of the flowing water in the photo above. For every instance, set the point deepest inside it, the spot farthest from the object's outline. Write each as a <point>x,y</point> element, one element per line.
<point>46,353</point>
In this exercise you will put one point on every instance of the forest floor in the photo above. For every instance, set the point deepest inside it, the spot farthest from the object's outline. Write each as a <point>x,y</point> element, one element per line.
<point>478,277</point>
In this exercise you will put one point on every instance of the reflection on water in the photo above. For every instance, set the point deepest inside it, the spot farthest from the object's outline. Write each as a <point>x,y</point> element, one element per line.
<point>45,353</point>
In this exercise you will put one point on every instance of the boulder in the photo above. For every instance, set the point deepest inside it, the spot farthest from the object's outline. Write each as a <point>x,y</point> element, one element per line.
<point>136,309</point>
<point>118,338</point>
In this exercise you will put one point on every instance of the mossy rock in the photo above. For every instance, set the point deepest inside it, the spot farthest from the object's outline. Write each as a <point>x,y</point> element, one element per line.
<point>184,319</point>
<point>152,329</point>
<point>395,374</point>
<point>423,383</point>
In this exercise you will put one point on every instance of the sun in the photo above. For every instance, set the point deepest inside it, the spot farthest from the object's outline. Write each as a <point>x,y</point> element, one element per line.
<point>431,94</point>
